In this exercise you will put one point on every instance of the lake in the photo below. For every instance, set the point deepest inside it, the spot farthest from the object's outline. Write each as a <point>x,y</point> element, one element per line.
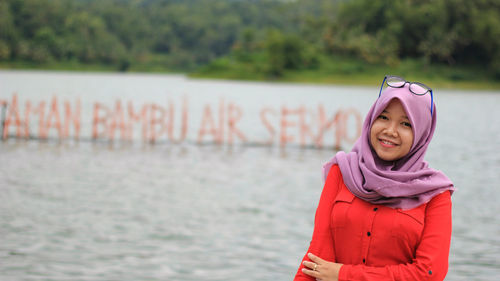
<point>128,195</point>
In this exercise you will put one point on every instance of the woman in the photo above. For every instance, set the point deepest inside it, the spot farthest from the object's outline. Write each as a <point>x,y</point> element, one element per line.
<point>383,213</point>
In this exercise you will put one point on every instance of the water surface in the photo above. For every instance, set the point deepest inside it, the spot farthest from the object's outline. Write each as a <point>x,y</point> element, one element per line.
<point>134,211</point>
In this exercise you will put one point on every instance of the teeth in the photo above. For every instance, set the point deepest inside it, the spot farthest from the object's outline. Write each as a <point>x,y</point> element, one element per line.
<point>387,142</point>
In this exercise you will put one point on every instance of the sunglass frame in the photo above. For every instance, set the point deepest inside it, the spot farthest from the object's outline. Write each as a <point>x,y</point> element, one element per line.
<point>386,81</point>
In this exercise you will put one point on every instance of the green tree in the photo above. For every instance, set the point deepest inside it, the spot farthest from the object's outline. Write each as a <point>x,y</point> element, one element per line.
<point>449,31</point>
<point>285,52</point>
<point>8,32</point>
<point>90,41</point>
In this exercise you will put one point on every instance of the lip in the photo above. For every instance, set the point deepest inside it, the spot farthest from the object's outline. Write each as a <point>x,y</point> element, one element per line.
<point>387,143</point>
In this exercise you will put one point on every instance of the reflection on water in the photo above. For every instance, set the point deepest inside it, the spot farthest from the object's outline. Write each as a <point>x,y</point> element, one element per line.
<point>94,211</point>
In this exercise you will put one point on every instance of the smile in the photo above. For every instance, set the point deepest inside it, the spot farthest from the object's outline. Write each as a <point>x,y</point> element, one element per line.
<point>386,143</point>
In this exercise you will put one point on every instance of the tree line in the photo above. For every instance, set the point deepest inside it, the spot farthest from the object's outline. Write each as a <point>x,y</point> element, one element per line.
<point>183,35</point>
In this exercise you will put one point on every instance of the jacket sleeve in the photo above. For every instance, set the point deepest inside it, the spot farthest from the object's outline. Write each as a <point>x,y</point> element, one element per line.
<point>322,241</point>
<point>431,259</point>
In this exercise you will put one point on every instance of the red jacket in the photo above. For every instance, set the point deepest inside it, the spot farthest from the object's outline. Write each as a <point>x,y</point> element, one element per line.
<point>375,242</point>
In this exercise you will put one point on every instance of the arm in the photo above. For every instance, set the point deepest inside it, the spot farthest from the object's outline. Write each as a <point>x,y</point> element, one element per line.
<point>322,239</point>
<point>431,260</point>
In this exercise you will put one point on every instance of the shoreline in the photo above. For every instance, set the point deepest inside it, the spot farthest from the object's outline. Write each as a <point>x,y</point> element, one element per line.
<point>311,77</point>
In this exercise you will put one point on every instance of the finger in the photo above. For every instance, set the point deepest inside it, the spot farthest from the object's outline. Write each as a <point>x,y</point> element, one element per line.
<point>312,273</point>
<point>309,264</point>
<point>315,259</point>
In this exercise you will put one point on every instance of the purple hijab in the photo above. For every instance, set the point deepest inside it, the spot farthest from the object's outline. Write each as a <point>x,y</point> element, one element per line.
<point>405,183</point>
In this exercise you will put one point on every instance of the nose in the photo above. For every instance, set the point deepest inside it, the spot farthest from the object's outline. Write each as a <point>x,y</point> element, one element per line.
<point>391,129</point>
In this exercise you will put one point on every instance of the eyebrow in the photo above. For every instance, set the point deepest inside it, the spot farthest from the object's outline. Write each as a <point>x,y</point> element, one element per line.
<point>404,116</point>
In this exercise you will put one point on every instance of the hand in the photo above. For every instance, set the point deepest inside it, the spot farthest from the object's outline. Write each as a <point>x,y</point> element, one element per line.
<point>321,269</point>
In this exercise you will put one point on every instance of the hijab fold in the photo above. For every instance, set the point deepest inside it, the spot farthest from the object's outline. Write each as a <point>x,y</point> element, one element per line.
<point>405,183</point>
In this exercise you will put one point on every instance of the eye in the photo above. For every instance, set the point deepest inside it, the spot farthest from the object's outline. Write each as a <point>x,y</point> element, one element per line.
<point>383,117</point>
<point>407,124</point>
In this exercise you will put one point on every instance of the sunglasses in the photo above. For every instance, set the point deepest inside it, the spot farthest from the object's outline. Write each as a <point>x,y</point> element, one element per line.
<point>416,88</point>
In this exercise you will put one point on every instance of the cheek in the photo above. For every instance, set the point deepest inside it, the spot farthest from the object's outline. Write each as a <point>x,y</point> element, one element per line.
<point>408,138</point>
<point>373,135</point>
<point>376,128</point>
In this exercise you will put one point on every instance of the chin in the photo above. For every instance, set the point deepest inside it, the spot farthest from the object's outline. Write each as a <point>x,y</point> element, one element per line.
<point>388,158</point>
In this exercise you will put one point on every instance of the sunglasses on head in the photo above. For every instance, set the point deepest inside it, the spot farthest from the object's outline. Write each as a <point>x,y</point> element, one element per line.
<point>416,88</point>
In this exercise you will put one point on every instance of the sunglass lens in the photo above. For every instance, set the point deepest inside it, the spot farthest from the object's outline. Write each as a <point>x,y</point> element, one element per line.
<point>396,82</point>
<point>418,89</point>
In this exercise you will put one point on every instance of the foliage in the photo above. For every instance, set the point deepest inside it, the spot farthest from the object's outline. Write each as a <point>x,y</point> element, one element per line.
<point>443,31</point>
<point>126,32</point>
<point>268,37</point>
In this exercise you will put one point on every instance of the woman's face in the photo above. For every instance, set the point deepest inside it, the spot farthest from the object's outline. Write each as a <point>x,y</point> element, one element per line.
<point>391,134</point>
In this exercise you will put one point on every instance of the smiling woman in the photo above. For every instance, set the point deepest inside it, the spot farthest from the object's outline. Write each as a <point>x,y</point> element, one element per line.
<point>383,213</point>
